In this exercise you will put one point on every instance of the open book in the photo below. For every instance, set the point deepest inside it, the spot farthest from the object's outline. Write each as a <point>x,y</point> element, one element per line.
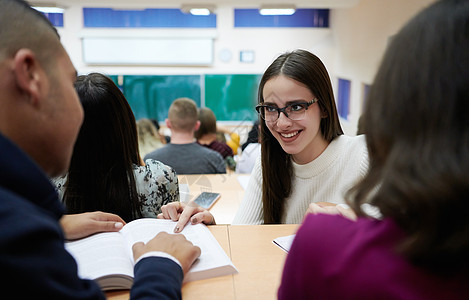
<point>108,258</point>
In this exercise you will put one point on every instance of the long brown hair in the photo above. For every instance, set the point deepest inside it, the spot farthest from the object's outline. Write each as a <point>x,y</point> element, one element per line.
<point>101,174</point>
<point>277,171</point>
<point>417,131</point>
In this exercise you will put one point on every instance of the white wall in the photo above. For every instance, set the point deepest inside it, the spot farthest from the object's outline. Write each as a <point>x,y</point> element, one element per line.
<point>361,35</point>
<point>352,48</point>
<point>266,44</point>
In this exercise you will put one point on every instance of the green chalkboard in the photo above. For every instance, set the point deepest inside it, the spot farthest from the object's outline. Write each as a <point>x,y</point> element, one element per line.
<point>150,96</point>
<point>114,78</point>
<point>232,97</point>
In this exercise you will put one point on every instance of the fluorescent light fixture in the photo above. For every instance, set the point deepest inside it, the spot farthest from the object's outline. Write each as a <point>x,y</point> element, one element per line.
<point>276,10</point>
<point>49,9</point>
<point>198,9</point>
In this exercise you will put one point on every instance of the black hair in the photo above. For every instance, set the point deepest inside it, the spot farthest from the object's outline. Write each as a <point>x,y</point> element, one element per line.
<point>101,170</point>
<point>417,131</point>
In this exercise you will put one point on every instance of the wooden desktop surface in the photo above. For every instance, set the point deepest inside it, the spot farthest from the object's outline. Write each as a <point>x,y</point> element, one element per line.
<point>258,260</point>
<point>227,185</point>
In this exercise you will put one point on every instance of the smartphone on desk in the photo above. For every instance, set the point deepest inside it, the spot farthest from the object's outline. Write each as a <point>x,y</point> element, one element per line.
<point>207,199</point>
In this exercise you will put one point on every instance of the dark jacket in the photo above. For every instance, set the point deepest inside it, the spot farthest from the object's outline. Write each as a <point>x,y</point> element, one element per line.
<point>33,260</point>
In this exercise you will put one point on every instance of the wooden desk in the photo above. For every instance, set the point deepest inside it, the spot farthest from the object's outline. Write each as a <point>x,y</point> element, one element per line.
<point>257,259</point>
<point>232,193</point>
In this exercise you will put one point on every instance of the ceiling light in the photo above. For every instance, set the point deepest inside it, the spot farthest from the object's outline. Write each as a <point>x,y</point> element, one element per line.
<point>275,10</point>
<point>198,10</point>
<point>49,9</point>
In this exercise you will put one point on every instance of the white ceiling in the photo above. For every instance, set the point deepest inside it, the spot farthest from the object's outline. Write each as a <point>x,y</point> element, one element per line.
<point>178,3</point>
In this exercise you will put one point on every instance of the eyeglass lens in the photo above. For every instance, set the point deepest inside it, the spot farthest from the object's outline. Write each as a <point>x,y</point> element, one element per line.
<point>294,112</point>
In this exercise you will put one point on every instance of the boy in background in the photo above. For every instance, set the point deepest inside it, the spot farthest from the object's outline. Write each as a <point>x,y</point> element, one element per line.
<point>183,154</point>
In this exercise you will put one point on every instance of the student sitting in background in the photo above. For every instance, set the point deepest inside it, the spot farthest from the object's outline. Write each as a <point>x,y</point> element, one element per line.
<point>183,153</point>
<point>247,159</point>
<point>148,137</point>
<point>233,142</point>
<point>417,132</point>
<point>253,135</point>
<point>251,151</point>
<point>206,136</point>
<point>106,172</point>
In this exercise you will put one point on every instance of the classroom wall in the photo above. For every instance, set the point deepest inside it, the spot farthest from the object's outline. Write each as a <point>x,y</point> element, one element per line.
<point>351,48</point>
<point>267,43</point>
<point>360,35</point>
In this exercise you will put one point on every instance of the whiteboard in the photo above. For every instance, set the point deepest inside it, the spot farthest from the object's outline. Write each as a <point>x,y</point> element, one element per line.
<point>148,50</point>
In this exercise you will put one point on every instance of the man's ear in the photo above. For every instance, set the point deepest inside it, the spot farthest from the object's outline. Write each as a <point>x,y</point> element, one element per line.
<point>197,125</point>
<point>168,123</point>
<point>27,74</point>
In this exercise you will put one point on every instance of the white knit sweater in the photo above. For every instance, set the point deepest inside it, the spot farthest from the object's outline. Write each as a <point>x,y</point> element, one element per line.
<point>325,179</point>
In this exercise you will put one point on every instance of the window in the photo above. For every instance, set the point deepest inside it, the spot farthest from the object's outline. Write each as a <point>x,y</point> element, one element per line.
<point>318,18</point>
<point>53,14</point>
<point>161,18</point>
<point>343,99</point>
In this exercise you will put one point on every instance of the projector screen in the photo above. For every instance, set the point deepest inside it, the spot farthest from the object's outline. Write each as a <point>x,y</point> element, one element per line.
<point>148,51</point>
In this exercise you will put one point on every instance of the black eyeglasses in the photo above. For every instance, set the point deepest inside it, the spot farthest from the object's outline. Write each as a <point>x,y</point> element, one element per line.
<point>294,111</point>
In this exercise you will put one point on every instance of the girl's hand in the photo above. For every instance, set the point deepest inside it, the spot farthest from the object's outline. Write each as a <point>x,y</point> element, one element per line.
<point>183,213</point>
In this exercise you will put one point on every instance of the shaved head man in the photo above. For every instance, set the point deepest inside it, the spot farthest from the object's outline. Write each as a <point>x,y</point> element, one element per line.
<point>40,117</point>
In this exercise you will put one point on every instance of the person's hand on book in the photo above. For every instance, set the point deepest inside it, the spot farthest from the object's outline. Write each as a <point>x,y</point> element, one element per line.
<point>78,226</point>
<point>183,213</point>
<point>175,245</point>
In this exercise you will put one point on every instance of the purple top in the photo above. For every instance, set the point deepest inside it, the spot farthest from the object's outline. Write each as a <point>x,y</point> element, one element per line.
<point>335,258</point>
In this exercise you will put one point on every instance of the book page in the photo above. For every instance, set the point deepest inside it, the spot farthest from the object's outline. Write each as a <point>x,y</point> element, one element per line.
<point>101,254</point>
<point>212,255</point>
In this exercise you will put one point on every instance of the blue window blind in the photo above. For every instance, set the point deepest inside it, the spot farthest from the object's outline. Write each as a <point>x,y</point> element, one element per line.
<point>164,17</point>
<point>318,18</point>
<point>344,98</point>
<point>57,19</point>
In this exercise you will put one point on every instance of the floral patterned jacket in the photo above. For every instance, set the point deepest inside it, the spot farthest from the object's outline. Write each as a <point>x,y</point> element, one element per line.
<point>157,185</point>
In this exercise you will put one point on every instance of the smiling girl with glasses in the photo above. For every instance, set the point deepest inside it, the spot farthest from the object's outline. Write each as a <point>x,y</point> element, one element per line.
<point>305,156</point>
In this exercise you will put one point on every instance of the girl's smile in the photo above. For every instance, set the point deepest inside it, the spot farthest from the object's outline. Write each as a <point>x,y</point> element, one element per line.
<point>300,138</point>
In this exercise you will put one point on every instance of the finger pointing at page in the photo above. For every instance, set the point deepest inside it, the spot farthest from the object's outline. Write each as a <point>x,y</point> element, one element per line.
<point>183,213</point>
<point>195,214</point>
<point>189,210</point>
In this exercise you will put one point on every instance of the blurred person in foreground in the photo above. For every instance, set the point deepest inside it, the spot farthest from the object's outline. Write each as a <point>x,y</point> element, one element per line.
<point>417,133</point>
<point>37,80</point>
